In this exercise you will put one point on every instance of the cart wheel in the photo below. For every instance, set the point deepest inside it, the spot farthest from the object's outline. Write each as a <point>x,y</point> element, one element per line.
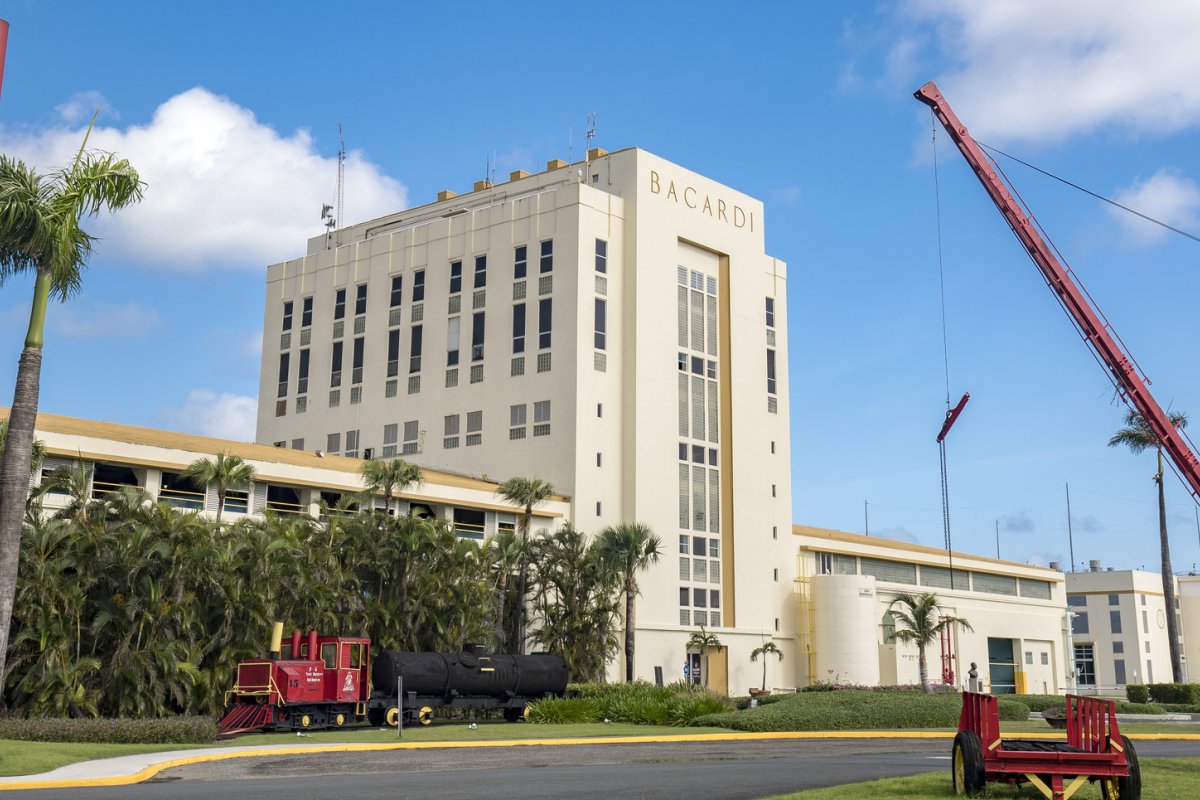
<point>375,716</point>
<point>967,770</point>
<point>1126,787</point>
<point>513,714</point>
<point>425,715</point>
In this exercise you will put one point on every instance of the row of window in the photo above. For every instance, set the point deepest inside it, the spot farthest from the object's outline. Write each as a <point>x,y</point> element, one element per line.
<point>1085,667</point>
<point>937,577</point>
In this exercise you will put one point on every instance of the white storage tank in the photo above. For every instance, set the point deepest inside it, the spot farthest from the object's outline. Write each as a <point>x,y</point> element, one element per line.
<point>846,618</point>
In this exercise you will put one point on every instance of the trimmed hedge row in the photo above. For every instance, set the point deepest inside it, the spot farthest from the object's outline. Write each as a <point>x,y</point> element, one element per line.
<point>169,730</point>
<point>1040,702</point>
<point>639,703</point>
<point>855,710</point>
<point>1185,693</point>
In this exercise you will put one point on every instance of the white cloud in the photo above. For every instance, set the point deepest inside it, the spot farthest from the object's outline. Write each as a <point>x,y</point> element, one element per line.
<point>1037,70</point>
<point>80,107</point>
<point>224,415</point>
<point>1165,196</point>
<point>223,188</point>
<point>91,319</point>
<point>786,195</point>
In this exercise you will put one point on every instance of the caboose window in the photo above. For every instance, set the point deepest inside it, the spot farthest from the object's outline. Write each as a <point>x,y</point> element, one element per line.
<point>355,656</point>
<point>329,655</point>
<point>285,651</point>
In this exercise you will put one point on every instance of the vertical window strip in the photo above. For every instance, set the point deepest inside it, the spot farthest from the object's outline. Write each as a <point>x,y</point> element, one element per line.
<point>698,407</point>
<point>683,315</point>
<point>601,323</point>
<point>699,499</point>
<point>714,501</point>
<point>697,322</point>
<point>685,521</point>
<point>713,416</point>
<point>710,308</point>
<point>683,404</point>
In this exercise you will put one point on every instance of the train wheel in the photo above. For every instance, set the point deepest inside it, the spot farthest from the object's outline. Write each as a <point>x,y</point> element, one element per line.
<point>512,714</point>
<point>525,714</point>
<point>305,720</point>
<point>392,717</point>
<point>339,720</point>
<point>1127,787</point>
<point>375,716</point>
<point>425,715</point>
<point>967,759</point>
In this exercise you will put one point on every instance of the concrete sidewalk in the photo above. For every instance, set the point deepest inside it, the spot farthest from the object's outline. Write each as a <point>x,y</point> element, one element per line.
<point>125,770</point>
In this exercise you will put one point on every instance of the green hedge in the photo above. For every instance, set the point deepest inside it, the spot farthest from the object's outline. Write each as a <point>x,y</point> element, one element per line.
<point>1040,702</point>
<point>855,710</point>
<point>1138,693</point>
<point>638,703</point>
<point>1185,693</point>
<point>169,730</point>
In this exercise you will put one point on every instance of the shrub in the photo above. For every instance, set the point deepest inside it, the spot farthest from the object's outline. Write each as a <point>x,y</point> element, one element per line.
<point>855,710</point>
<point>684,708</point>
<point>564,711</point>
<point>1040,702</point>
<point>168,730</point>
<point>1138,693</point>
<point>1186,693</point>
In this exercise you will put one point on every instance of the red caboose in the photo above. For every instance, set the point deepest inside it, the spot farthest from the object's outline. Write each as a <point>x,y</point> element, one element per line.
<point>313,681</point>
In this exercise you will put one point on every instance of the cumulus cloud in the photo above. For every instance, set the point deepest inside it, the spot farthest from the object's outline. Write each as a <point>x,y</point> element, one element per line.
<point>207,413</point>
<point>786,195</point>
<point>1165,196</point>
<point>92,319</point>
<point>1033,70</point>
<point>224,189</point>
<point>1020,522</point>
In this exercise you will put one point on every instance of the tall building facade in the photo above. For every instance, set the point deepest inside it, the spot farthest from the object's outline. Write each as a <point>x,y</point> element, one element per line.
<point>613,326</point>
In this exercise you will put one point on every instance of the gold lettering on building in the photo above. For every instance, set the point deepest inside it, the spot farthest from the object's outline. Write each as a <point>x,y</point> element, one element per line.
<point>729,213</point>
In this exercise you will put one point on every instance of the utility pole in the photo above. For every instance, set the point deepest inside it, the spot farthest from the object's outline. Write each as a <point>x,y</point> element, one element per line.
<point>997,539</point>
<point>866,520</point>
<point>1070,534</point>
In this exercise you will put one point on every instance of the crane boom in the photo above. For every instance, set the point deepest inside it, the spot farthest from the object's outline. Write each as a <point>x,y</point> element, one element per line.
<point>1095,331</point>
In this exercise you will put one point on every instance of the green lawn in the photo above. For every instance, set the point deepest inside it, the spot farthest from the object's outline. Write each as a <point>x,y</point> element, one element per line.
<point>1162,779</point>
<point>30,758</point>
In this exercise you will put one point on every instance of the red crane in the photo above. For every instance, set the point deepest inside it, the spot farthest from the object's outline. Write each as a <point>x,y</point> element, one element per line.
<point>1095,330</point>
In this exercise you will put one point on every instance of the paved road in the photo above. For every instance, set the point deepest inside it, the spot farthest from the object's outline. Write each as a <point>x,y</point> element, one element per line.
<point>717,770</point>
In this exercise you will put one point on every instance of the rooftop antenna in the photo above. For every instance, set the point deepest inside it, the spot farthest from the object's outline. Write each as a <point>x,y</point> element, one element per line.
<point>589,134</point>
<point>332,215</point>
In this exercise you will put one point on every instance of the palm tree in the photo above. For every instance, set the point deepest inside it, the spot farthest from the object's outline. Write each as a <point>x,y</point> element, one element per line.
<point>527,493</point>
<point>1138,436</point>
<point>764,650</point>
<point>703,641</point>
<point>389,477</point>
<point>40,233</point>
<point>924,622</point>
<point>223,472</point>
<point>629,548</point>
<point>38,456</point>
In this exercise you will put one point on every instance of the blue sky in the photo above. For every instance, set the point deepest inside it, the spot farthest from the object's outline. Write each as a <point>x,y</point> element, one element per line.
<point>231,112</point>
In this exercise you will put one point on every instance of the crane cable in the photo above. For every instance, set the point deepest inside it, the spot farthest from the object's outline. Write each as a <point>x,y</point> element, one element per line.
<point>945,350</point>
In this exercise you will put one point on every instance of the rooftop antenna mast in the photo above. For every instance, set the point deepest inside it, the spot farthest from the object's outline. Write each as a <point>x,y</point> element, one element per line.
<point>589,134</point>
<point>333,214</point>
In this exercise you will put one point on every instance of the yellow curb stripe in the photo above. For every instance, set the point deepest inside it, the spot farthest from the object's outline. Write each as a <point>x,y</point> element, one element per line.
<point>149,772</point>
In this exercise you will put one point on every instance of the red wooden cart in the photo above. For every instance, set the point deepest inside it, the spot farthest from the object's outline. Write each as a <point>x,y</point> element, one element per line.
<point>1094,750</point>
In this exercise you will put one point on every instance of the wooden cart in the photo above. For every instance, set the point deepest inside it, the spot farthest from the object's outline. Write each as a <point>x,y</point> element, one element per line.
<point>1094,750</point>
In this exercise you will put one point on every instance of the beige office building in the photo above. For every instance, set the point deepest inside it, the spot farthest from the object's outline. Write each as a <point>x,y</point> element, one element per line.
<point>1119,621</point>
<point>613,326</point>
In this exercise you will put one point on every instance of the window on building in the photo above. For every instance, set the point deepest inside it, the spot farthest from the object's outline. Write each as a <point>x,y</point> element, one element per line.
<point>1114,621</point>
<point>1114,599</point>
<point>1085,665</point>
<point>518,328</point>
<point>520,259</point>
<point>351,444</point>
<point>700,598</point>
<point>889,623</point>
<point>306,312</point>
<point>414,350</point>
<point>287,315</point>
<point>824,563</point>
<point>339,304</point>
<point>480,271</point>
<point>1145,622</point>
<point>601,255</point>
<point>547,259</point>
<point>333,443</point>
<point>770,312</point>
<point>601,323</point>
<point>450,429</point>
<point>541,418</point>
<point>1079,623</point>
<point>771,372</point>
<point>356,369</point>
<point>452,336</point>
<point>411,432</point>
<point>360,299</point>
<point>685,596</point>
<point>302,380</point>
<point>1077,600</point>
<point>1119,671</point>
<point>516,421</point>
<point>1118,647</point>
<point>1143,597</point>
<point>545,317</point>
<point>477,328</point>
<point>284,363</point>
<point>397,290</point>
<point>474,428</point>
<point>455,277</point>
<point>393,353</point>
<point>418,286</point>
<point>335,367</point>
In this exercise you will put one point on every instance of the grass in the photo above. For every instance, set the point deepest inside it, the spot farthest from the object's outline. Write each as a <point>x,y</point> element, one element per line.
<point>1162,779</point>
<point>30,758</point>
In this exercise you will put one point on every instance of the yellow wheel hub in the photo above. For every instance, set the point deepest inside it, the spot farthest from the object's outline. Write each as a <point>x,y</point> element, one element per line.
<point>305,721</point>
<point>960,772</point>
<point>340,719</point>
<point>393,716</point>
<point>425,715</point>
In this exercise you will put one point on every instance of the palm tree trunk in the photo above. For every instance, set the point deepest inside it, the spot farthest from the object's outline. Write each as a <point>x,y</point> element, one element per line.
<point>630,593</point>
<point>220,503</point>
<point>1168,579</point>
<point>764,683</point>
<point>924,665</point>
<point>18,455</point>
<point>526,522</point>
